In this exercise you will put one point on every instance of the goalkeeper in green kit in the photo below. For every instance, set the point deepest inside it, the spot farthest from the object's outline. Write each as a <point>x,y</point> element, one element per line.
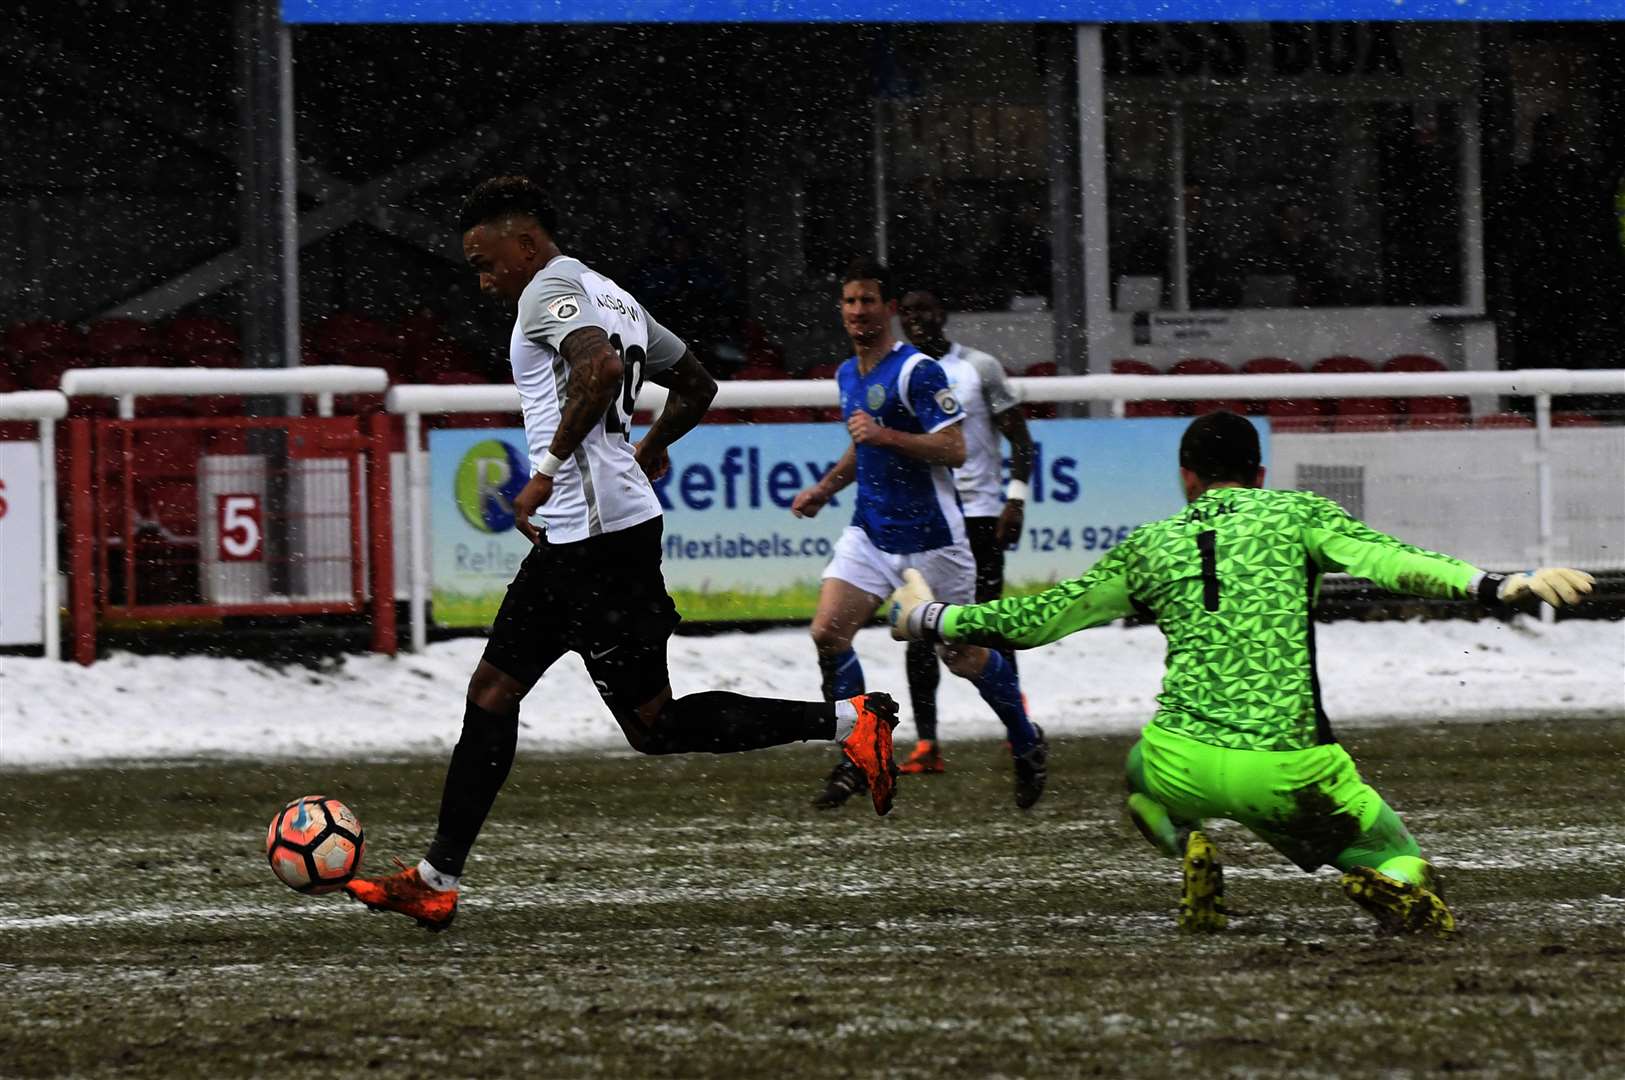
<point>1239,732</point>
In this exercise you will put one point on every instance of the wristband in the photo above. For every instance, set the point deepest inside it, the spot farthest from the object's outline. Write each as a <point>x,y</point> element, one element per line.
<point>925,621</point>
<point>1489,589</point>
<point>1017,491</point>
<point>550,464</point>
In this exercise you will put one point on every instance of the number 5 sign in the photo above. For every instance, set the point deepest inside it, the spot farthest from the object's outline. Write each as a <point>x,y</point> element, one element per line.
<point>238,524</point>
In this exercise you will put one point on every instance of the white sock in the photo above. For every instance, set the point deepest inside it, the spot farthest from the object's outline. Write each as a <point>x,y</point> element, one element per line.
<point>846,718</point>
<point>435,879</point>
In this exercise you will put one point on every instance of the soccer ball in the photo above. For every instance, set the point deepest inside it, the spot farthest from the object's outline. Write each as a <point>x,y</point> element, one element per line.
<point>314,844</point>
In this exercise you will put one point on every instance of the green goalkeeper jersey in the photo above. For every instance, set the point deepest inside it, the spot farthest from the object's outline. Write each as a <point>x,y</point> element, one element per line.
<point>1232,581</point>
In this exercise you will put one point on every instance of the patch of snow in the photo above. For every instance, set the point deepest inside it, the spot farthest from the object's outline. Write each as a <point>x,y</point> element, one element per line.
<point>134,708</point>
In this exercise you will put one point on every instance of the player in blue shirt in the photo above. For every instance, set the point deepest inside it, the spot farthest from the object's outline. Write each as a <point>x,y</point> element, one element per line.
<point>906,441</point>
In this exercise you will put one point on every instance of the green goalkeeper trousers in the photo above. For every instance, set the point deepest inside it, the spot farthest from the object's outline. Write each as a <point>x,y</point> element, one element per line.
<point>1310,805</point>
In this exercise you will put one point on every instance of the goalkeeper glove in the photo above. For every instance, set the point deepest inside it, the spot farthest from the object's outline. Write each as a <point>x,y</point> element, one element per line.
<point>913,613</point>
<point>1557,585</point>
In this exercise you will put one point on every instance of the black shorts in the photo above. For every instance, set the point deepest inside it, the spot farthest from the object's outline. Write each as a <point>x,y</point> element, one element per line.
<point>602,597</point>
<point>989,556</point>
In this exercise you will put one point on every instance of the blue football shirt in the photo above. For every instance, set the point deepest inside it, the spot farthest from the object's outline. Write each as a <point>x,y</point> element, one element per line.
<point>904,504</point>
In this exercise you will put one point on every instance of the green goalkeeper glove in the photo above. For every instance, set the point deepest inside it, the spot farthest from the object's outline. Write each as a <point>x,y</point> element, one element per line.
<point>1557,585</point>
<point>914,613</point>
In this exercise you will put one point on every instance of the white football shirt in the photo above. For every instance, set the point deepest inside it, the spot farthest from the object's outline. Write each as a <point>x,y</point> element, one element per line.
<point>600,488</point>
<point>979,383</point>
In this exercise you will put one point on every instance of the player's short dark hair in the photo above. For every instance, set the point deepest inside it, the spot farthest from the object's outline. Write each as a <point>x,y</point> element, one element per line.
<point>867,269</point>
<point>1220,447</point>
<point>501,196</point>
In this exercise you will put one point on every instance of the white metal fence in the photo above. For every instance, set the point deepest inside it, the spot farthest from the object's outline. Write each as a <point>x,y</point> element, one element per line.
<point>416,401</point>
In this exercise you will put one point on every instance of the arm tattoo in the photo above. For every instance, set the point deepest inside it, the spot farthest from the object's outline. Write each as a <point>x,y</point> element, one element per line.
<point>595,379</point>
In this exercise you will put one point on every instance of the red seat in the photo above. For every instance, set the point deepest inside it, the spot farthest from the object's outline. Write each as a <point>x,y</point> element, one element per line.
<point>821,371</point>
<point>190,335</point>
<point>1282,409</point>
<point>1201,365</point>
<point>215,356</point>
<point>784,414</point>
<point>1213,405</point>
<point>110,339</point>
<point>1503,420</point>
<point>1363,414</point>
<point>1271,365</point>
<point>434,360</point>
<point>760,373</point>
<point>1341,365</point>
<point>1412,362</point>
<point>343,333</point>
<point>1435,412</point>
<point>1129,366</point>
<point>1040,410</point>
<point>44,370</point>
<point>1574,419</point>
<point>43,336</point>
<point>1134,367</point>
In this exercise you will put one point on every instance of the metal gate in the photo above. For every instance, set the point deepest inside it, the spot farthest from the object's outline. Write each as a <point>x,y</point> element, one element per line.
<point>181,518</point>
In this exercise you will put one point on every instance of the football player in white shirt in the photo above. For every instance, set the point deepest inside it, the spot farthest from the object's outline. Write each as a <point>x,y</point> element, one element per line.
<point>580,350</point>
<point>993,518</point>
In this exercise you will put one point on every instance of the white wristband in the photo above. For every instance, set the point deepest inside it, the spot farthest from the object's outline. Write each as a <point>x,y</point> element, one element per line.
<point>1018,491</point>
<point>550,464</point>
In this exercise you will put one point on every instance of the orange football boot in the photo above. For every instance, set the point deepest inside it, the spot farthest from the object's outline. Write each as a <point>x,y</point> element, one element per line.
<point>407,893</point>
<point>869,746</point>
<point>926,758</point>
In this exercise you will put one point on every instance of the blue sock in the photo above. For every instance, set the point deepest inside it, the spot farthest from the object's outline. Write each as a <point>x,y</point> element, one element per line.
<point>843,675</point>
<point>1001,689</point>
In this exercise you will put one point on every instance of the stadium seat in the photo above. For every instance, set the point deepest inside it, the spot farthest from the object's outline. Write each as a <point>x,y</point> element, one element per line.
<point>43,336</point>
<point>1128,366</point>
<point>784,414</point>
<point>44,369</point>
<point>1503,420</point>
<point>1134,367</point>
<point>190,335</point>
<point>440,358</point>
<point>1213,405</point>
<point>1428,412</point>
<point>1040,410</point>
<point>1575,419</point>
<point>109,341</point>
<point>1362,414</point>
<point>343,334</point>
<point>1271,365</point>
<point>1435,412</point>
<point>1153,408</point>
<point>1412,362</point>
<point>1342,365</point>
<point>419,330</point>
<point>1201,365</point>
<point>1286,414</point>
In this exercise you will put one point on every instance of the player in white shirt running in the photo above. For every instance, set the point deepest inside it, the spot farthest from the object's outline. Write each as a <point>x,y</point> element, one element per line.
<point>580,350</point>
<point>993,517</point>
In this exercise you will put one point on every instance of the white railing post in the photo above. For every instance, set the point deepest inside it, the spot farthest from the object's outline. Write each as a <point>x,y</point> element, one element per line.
<point>49,585</point>
<point>416,541</point>
<point>1543,491</point>
<point>324,405</point>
